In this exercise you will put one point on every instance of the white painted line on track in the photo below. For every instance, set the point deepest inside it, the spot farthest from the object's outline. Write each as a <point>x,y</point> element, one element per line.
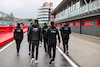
<point>67,58</point>
<point>9,44</point>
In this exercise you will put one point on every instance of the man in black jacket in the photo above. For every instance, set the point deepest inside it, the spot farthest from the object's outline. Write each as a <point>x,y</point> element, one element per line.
<point>35,36</point>
<point>29,37</point>
<point>65,31</point>
<point>18,36</point>
<point>51,34</point>
<point>44,32</point>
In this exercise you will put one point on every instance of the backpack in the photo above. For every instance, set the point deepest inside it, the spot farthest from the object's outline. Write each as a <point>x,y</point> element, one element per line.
<point>35,29</point>
<point>65,31</point>
<point>53,31</point>
<point>18,30</point>
<point>52,35</point>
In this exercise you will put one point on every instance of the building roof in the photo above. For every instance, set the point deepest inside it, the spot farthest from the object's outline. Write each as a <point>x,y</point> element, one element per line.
<point>61,6</point>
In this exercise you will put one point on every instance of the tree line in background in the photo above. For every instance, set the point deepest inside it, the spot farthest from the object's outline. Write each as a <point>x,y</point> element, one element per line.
<point>29,19</point>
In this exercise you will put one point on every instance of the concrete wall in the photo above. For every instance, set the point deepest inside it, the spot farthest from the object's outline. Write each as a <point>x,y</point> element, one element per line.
<point>89,30</point>
<point>75,29</point>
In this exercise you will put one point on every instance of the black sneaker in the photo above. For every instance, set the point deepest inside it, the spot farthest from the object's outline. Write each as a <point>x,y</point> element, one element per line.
<point>51,61</point>
<point>67,53</point>
<point>29,52</point>
<point>64,51</point>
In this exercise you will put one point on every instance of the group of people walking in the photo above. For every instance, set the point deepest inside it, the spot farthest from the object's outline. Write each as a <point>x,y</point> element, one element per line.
<point>49,35</point>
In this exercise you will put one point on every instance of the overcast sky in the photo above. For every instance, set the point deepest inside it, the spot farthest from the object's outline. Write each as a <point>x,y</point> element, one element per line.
<point>24,8</point>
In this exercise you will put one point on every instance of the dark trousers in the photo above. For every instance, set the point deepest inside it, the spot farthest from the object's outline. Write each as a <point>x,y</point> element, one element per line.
<point>35,43</point>
<point>18,42</point>
<point>65,45</point>
<point>46,48</point>
<point>52,45</point>
<point>30,46</point>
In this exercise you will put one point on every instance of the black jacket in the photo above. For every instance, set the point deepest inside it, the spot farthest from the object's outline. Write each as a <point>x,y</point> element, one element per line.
<point>28,29</point>
<point>51,34</point>
<point>65,31</point>
<point>18,33</point>
<point>35,32</point>
<point>28,33</point>
<point>44,31</point>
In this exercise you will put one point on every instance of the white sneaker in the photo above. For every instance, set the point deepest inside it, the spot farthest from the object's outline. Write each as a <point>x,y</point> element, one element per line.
<point>40,45</point>
<point>53,61</point>
<point>46,53</point>
<point>32,60</point>
<point>17,53</point>
<point>36,61</point>
<point>67,53</point>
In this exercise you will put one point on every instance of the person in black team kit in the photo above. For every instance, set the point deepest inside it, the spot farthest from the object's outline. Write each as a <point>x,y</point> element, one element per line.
<point>51,34</point>
<point>44,32</point>
<point>65,31</point>
<point>35,35</point>
<point>29,37</point>
<point>18,36</point>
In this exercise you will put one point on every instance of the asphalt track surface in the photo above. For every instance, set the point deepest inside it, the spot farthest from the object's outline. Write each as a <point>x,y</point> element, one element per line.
<point>9,58</point>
